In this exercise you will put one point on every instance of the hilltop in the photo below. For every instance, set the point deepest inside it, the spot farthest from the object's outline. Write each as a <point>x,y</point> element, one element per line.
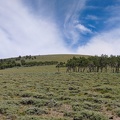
<point>53,57</point>
<point>37,60</point>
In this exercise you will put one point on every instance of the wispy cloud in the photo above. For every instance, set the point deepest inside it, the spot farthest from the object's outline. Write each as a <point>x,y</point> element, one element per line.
<point>24,33</point>
<point>83,29</point>
<point>71,24</point>
<point>114,18</point>
<point>92,17</point>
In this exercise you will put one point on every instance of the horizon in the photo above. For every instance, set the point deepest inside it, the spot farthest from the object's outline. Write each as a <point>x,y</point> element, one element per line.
<point>43,27</point>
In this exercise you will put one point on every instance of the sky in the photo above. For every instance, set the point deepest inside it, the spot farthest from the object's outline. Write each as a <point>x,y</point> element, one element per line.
<point>41,27</point>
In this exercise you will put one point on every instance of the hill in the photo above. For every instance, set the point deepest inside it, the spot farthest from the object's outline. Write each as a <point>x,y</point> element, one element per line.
<point>41,93</point>
<point>39,60</point>
<point>55,57</point>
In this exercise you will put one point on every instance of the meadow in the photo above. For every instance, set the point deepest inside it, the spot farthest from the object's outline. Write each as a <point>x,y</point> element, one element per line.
<point>42,93</point>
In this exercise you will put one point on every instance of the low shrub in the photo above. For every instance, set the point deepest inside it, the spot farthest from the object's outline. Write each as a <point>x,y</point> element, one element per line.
<point>89,115</point>
<point>27,101</point>
<point>92,106</point>
<point>35,111</point>
<point>26,94</point>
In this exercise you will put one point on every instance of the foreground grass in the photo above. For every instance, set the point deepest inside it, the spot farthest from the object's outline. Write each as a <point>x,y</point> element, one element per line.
<point>40,93</point>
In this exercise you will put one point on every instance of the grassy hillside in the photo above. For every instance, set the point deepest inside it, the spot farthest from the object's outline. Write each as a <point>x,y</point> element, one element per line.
<point>60,58</point>
<point>40,93</point>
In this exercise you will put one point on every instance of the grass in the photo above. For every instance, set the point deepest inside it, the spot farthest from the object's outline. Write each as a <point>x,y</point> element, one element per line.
<point>60,58</point>
<point>56,57</point>
<point>41,93</point>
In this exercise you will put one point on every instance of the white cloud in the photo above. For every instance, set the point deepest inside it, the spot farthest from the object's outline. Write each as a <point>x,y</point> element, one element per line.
<point>104,43</point>
<point>92,17</point>
<point>83,29</point>
<point>91,26</point>
<point>22,33</point>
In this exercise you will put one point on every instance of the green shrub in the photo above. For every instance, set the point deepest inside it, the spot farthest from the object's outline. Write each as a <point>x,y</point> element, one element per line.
<point>39,96</point>
<point>27,101</point>
<point>89,115</point>
<point>35,111</point>
<point>92,106</point>
<point>77,106</point>
<point>40,103</point>
<point>69,114</point>
<point>3,109</point>
<point>26,94</point>
<point>103,89</point>
<point>8,108</point>
<point>52,103</point>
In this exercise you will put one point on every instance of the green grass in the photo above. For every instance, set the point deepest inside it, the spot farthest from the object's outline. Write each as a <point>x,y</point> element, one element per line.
<point>59,57</point>
<point>41,93</point>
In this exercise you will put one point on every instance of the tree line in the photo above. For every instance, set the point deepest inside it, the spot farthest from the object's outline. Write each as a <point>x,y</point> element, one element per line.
<point>19,62</point>
<point>8,63</point>
<point>94,64</point>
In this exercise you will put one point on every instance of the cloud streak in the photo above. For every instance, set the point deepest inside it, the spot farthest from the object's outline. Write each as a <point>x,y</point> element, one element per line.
<point>23,33</point>
<point>83,29</point>
<point>71,24</point>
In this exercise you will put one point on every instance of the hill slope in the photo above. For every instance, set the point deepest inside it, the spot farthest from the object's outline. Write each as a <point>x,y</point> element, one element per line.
<point>57,57</point>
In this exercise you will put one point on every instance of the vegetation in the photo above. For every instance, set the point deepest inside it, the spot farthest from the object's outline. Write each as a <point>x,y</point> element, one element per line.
<point>43,93</point>
<point>23,61</point>
<point>94,64</point>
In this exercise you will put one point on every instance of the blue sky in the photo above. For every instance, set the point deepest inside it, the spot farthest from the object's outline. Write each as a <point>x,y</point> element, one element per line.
<point>33,27</point>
